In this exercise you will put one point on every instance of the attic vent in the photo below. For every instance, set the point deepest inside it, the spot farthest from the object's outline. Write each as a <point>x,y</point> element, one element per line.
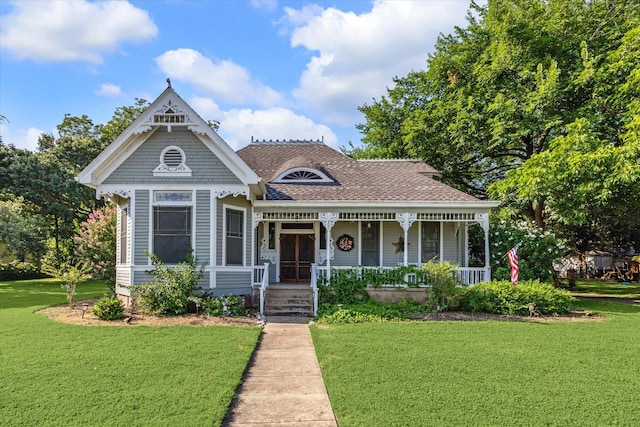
<point>172,158</point>
<point>172,163</point>
<point>302,175</point>
<point>169,118</point>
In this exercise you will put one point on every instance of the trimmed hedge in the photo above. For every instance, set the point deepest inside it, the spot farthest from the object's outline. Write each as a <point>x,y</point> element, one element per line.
<point>20,271</point>
<point>501,297</point>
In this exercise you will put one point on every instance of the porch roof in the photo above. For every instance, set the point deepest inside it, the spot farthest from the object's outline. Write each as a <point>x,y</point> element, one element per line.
<point>355,180</point>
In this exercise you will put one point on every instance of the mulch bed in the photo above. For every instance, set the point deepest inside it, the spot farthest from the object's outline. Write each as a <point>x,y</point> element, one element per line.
<point>66,314</point>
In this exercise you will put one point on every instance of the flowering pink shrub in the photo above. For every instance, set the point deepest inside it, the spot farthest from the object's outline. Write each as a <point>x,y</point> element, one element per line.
<point>96,243</point>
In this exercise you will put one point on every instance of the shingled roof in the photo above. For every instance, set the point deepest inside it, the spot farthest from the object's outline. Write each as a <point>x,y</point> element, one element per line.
<point>354,180</point>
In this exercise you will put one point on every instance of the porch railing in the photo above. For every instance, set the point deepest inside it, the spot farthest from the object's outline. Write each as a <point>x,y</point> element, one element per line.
<point>261,278</point>
<point>467,275</point>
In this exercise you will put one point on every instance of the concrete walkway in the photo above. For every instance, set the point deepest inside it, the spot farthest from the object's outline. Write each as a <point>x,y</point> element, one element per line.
<point>283,385</point>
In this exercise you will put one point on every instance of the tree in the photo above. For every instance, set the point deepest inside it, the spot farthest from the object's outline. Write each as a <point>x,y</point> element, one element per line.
<point>96,244</point>
<point>519,80</point>
<point>23,232</point>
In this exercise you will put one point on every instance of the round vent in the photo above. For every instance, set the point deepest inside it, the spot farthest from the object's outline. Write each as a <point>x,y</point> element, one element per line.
<point>172,158</point>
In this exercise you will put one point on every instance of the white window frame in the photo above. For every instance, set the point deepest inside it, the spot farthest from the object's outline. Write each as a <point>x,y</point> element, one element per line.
<point>127,227</point>
<point>181,203</point>
<point>226,207</point>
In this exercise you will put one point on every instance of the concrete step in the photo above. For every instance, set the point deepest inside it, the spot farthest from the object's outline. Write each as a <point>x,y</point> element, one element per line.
<point>283,301</point>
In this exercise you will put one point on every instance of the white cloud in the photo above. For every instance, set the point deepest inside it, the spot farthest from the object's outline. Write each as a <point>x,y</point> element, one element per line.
<point>109,90</point>
<point>22,138</point>
<point>269,5</point>
<point>238,126</point>
<point>223,79</point>
<point>358,55</point>
<point>72,30</point>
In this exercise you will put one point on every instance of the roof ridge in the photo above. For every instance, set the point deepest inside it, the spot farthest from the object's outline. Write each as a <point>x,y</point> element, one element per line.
<point>389,160</point>
<point>288,141</point>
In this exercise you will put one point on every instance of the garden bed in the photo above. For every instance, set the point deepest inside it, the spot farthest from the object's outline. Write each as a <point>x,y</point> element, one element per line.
<point>66,314</point>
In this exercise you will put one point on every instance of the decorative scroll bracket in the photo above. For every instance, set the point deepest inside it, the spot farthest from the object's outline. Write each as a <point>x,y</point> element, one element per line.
<point>328,219</point>
<point>406,220</point>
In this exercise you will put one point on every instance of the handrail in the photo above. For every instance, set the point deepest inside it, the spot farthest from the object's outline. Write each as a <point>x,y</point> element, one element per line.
<point>263,287</point>
<point>314,288</point>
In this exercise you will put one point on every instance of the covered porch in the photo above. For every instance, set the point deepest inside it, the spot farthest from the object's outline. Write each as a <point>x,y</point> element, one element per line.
<point>308,246</point>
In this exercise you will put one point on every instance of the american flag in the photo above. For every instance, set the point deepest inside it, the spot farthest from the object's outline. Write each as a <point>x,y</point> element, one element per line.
<point>512,256</point>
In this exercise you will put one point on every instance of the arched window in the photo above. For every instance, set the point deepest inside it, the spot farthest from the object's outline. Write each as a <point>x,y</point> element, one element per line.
<point>302,175</point>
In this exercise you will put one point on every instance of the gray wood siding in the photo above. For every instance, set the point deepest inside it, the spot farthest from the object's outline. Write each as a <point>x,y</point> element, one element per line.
<point>141,242</point>
<point>450,246</point>
<point>203,226</point>
<point>205,166</point>
<point>391,234</point>
<point>233,282</point>
<point>140,277</point>
<point>123,275</point>
<point>342,258</point>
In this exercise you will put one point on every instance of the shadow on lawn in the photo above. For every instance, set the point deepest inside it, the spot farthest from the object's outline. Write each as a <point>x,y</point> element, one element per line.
<point>43,292</point>
<point>596,304</point>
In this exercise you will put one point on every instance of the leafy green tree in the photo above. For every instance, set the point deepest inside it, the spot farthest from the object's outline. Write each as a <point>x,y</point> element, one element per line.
<point>96,244</point>
<point>22,232</point>
<point>122,118</point>
<point>516,82</point>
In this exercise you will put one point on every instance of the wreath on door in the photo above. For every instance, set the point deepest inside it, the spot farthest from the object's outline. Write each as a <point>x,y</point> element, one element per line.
<point>345,243</point>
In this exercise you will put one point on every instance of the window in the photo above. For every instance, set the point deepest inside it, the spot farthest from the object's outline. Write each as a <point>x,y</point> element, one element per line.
<point>172,233</point>
<point>370,243</point>
<point>302,175</point>
<point>430,241</point>
<point>234,233</point>
<point>124,214</point>
<point>272,235</point>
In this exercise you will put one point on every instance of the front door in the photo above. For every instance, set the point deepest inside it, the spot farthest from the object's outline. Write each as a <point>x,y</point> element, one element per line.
<point>296,256</point>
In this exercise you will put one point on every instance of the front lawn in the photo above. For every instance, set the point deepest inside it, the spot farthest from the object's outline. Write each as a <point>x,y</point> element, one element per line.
<point>60,374</point>
<point>485,373</point>
<point>607,288</point>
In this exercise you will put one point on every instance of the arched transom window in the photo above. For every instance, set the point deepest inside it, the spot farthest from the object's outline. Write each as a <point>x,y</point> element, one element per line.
<point>302,175</point>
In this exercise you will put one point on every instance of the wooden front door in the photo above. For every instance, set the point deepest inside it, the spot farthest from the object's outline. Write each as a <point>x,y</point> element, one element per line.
<point>296,256</point>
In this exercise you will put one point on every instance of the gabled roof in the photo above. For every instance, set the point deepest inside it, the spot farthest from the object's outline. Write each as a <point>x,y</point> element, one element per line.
<point>355,180</point>
<point>168,103</point>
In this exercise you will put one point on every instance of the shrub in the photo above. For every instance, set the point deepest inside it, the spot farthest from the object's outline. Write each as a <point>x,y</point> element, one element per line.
<point>536,255</point>
<point>170,291</point>
<point>345,286</point>
<point>382,310</point>
<point>20,271</point>
<point>348,315</point>
<point>230,305</point>
<point>109,307</point>
<point>501,297</point>
<point>442,278</point>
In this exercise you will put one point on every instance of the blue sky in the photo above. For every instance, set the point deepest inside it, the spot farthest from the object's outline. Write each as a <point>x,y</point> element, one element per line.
<point>263,69</point>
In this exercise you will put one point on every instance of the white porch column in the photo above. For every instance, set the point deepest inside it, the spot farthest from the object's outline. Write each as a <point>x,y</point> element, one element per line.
<point>255,252</point>
<point>328,219</point>
<point>406,219</point>
<point>483,219</point>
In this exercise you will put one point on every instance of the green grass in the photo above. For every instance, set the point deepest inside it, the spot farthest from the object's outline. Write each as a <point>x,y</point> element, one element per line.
<point>485,373</point>
<point>58,374</point>
<point>607,288</point>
